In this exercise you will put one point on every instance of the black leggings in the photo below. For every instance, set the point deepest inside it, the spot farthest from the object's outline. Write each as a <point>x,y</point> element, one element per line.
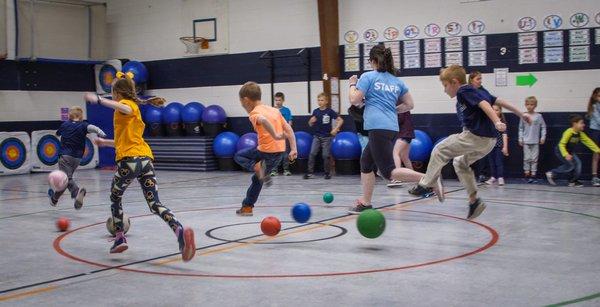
<point>142,169</point>
<point>378,153</point>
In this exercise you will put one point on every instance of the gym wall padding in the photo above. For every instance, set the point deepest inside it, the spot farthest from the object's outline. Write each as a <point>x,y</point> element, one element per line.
<point>14,153</point>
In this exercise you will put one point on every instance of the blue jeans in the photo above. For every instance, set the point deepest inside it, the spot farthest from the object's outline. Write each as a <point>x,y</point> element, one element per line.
<point>567,166</point>
<point>496,161</point>
<point>247,158</point>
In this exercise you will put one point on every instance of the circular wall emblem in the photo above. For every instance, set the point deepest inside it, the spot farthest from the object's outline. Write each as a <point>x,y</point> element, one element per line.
<point>526,24</point>
<point>391,33</point>
<point>351,36</point>
<point>47,149</point>
<point>106,75</point>
<point>453,28</point>
<point>552,22</point>
<point>88,153</point>
<point>579,20</point>
<point>411,31</point>
<point>476,27</point>
<point>370,35</point>
<point>432,30</point>
<point>598,18</point>
<point>13,153</point>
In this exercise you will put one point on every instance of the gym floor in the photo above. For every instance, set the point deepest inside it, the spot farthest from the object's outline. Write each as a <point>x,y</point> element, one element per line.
<point>534,245</point>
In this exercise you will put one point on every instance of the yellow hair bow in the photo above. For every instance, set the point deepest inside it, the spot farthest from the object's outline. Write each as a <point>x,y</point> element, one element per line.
<point>122,75</point>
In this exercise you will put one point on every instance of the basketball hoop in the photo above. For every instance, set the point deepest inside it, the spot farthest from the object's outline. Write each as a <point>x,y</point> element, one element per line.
<point>194,45</point>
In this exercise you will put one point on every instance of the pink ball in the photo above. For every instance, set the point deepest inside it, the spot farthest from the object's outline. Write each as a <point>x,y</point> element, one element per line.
<point>58,180</point>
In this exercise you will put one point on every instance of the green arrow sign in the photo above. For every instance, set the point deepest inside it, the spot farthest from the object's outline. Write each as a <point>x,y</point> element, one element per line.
<point>526,80</point>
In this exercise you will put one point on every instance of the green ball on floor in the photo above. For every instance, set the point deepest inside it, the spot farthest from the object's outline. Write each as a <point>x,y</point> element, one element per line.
<point>328,197</point>
<point>370,223</point>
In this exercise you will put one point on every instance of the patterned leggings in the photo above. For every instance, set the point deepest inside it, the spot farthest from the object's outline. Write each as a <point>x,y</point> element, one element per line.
<point>142,169</point>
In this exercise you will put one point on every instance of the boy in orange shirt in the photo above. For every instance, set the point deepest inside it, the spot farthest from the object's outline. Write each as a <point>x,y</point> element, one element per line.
<point>272,130</point>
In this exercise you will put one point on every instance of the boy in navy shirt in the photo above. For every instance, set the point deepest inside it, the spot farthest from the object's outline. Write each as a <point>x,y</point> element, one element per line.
<point>72,145</point>
<point>478,138</point>
<point>321,119</point>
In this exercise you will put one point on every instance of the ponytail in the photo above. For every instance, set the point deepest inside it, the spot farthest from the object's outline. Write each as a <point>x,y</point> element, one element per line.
<point>383,58</point>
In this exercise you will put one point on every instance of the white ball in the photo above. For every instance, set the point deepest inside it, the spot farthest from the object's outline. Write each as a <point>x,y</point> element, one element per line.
<point>110,225</point>
<point>58,180</point>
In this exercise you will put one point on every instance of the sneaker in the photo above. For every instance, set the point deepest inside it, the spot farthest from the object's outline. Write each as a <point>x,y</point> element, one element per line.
<point>308,176</point>
<point>491,181</point>
<point>187,244</point>
<point>575,184</point>
<point>261,173</point>
<point>244,211</point>
<point>419,190</point>
<point>359,207</point>
<point>53,202</point>
<point>287,173</point>
<point>79,198</point>
<point>596,182</point>
<point>475,209</point>
<point>394,184</point>
<point>120,244</point>
<point>550,178</point>
<point>482,178</point>
<point>500,181</point>
<point>273,174</point>
<point>327,176</point>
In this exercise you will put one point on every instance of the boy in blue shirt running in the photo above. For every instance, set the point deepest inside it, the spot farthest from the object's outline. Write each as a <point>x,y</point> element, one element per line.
<point>287,115</point>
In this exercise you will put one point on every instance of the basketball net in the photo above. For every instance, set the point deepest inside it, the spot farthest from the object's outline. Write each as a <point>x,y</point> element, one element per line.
<point>195,45</point>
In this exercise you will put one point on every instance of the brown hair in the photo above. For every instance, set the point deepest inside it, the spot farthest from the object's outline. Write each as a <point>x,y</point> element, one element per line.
<point>453,72</point>
<point>75,112</point>
<point>125,87</point>
<point>590,108</point>
<point>533,99</point>
<point>502,117</point>
<point>251,90</point>
<point>280,95</point>
<point>474,74</point>
<point>575,118</point>
<point>383,58</point>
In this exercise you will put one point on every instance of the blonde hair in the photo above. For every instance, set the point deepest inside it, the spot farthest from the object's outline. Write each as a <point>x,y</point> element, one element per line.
<point>532,99</point>
<point>326,97</point>
<point>454,72</point>
<point>75,112</point>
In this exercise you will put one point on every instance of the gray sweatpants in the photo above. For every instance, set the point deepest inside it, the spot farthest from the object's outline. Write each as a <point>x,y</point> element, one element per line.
<point>322,143</point>
<point>465,148</point>
<point>68,165</point>
<point>531,152</point>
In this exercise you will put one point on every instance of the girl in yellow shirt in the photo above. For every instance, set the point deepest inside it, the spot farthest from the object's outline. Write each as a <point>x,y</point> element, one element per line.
<point>134,161</point>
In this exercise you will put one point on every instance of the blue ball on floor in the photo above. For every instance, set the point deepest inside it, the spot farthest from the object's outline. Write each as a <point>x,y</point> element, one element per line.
<point>301,212</point>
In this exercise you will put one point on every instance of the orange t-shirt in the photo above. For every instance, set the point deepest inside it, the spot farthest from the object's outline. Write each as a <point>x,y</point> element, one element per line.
<point>266,143</point>
<point>128,133</point>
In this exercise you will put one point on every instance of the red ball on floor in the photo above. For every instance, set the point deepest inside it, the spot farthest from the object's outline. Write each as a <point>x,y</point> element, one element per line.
<point>62,224</point>
<point>270,226</point>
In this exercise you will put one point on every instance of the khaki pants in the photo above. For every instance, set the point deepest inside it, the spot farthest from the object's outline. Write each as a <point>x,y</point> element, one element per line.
<point>465,148</point>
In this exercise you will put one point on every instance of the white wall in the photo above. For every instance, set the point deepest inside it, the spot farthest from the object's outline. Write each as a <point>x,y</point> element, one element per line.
<point>36,106</point>
<point>3,23</point>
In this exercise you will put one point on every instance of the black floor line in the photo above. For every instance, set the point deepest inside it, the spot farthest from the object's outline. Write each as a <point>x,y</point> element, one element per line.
<point>200,248</point>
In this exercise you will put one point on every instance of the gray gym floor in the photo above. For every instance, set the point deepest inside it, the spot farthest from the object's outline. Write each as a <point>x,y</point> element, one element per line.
<point>534,245</point>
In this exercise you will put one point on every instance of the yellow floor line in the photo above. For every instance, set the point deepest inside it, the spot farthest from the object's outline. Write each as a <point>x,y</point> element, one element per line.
<point>26,293</point>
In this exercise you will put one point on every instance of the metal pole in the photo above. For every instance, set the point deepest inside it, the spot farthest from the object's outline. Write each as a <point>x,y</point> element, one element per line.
<point>89,11</point>
<point>308,75</point>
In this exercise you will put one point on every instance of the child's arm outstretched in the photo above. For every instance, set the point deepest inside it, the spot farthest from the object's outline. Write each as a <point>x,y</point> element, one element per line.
<point>491,114</point>
<point>94,129</point>
<point>291,137</point>
<point>100,142</point>
<point>585,139</point>
<point>509,106</point>
<point>95,98</point>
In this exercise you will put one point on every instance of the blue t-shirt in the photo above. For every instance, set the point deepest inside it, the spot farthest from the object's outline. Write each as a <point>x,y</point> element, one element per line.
<point>382,91</point>
<point>286,113</point>
<point>72,138</point>
<point>472,116</point>
<point>324,119</point>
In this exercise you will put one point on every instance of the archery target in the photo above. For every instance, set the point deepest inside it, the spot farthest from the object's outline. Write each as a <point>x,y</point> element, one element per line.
<point>14,153</point>
<point>90,153</point>
<point>46,147</point>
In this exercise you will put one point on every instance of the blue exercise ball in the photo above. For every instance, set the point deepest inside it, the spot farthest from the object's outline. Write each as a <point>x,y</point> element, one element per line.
<point>345,146</point>
<point>225,144</point>
<point>248,140</point>
<point>301,212</point>
<point>192,112</point>
<point>153,114</point>
<point>214,114</point>
<point>420,147</point>
<point>140,73</point>
<point>303,144</point>
<point>172,113</point>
